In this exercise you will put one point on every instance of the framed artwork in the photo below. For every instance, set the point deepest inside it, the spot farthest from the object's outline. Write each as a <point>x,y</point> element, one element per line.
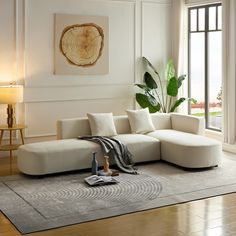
<point>81,45</point>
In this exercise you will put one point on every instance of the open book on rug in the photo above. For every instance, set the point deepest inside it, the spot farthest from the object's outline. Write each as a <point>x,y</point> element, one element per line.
<point>95,180</point>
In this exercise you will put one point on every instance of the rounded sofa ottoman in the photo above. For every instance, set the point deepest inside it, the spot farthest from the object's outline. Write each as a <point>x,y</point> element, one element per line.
<point>56,156</point>
<point>188,150</point>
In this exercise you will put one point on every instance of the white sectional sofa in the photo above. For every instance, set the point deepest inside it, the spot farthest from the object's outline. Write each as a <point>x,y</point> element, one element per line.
<point>177,139</point>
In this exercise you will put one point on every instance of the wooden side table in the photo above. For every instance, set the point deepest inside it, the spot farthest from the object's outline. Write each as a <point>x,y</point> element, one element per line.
<point>11,147</point>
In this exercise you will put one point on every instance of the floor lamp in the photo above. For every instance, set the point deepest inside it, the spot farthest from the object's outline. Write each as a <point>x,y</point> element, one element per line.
<point>10,95</point>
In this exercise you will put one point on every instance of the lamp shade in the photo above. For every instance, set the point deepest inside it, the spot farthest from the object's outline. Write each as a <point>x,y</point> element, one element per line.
<point>11,94</point>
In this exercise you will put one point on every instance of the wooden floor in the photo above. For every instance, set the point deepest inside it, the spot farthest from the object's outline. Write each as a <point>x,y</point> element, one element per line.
<point>210,217</point>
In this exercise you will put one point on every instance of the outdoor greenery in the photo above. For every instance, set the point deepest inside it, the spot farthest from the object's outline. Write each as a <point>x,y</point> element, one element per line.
<point>219,96</point>
<point>213,113</point>
<point>153,95</point>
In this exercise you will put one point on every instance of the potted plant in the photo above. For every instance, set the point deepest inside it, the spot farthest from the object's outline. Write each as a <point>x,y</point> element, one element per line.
<point>153,95</point>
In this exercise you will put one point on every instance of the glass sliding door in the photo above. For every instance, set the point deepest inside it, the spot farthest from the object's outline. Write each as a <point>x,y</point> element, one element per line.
<point>205,63</point>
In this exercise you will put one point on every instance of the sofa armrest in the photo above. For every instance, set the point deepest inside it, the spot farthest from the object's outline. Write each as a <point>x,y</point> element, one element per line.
<point>188,123</point>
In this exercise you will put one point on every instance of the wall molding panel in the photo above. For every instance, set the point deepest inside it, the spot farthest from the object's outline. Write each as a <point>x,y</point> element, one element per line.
<point>40,14</point>
<point>67,93</point>
<point>49,112</point>
<point>158,35</point>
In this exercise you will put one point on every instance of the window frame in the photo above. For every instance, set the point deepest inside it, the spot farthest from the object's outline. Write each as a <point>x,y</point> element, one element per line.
<point>206,71</point>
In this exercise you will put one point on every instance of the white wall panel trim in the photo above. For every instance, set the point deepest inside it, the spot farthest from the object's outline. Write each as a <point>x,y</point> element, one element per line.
<point>167,2</point>
<point>80,85</point>
<point>44,135</point>
<point>48,79</point>
<point>158,36</point>
<point>79,99</point>
<point>120,1</point>
<point>77,93</point>
<point>136,1</point>
<point>41,117</point>
<point>141,26</point>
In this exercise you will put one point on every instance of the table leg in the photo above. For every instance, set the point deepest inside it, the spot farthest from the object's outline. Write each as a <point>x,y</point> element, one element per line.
<point>1,136</point>
<point>22,137</point>
<point>11,150</point>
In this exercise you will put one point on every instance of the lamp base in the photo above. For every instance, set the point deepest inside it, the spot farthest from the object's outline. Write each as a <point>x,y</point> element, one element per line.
<point>10,115</point>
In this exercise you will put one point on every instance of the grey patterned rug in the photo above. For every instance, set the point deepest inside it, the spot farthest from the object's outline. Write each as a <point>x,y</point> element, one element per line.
<point>38,204</point>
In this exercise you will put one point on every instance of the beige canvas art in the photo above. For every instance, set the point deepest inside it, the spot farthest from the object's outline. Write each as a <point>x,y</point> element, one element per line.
<point>81,45</point>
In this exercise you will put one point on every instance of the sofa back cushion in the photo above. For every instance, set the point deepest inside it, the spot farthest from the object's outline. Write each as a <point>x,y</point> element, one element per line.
<point>161,121</point>
<point>122,124</point>
<point>72,128</point>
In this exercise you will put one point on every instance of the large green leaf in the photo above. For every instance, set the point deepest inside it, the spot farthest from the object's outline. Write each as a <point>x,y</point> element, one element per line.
<point>143,86</point>
<point>180,80</point>
<point>170,70</point>
<point>144,102</point>
<point>148,63</point>
<point>149,81</point>
<point>192,100</point>
<point>151,98</point>
<point>172,87</point>
<point>177,103</point>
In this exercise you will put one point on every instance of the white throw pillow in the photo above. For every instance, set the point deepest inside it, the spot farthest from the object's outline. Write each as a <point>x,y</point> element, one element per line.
<point>102,124</point>
<point>140,121</point>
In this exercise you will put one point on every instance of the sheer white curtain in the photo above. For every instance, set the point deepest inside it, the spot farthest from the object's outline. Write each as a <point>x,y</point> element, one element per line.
<point>229,70</point>
<point>179,45</point>
<point>178,34</point>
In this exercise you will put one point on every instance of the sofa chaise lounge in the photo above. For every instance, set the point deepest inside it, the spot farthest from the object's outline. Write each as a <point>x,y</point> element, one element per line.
<point>178,139</point>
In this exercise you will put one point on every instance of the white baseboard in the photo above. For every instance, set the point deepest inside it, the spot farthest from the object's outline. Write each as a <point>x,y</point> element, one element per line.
<point>214,134</point>
<point>219,136</point>
<point>229,147</point>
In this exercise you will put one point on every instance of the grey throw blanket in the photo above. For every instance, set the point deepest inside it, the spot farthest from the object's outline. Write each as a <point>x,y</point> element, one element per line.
<point>115,149</point>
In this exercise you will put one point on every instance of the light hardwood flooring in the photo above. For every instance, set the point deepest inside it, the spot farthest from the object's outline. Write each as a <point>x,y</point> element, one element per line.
<point>209,217</point>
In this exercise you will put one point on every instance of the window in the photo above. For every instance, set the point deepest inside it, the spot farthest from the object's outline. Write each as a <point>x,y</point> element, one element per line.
<point>205,63</point>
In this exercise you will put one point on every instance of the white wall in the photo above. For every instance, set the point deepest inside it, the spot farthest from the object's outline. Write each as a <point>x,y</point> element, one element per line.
<point>7,47</point>
<point>136,28</point>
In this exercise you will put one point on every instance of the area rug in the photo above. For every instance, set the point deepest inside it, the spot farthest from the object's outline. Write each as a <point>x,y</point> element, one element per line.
<point>34,204</point>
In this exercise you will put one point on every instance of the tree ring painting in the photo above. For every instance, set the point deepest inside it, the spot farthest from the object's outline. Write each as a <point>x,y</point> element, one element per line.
<point>81,45</point>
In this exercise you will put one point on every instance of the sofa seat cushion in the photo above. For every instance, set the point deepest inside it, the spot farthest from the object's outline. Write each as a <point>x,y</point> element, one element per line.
<point>57,156</point>
<point>188,150</point>
<point>142,147</point>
